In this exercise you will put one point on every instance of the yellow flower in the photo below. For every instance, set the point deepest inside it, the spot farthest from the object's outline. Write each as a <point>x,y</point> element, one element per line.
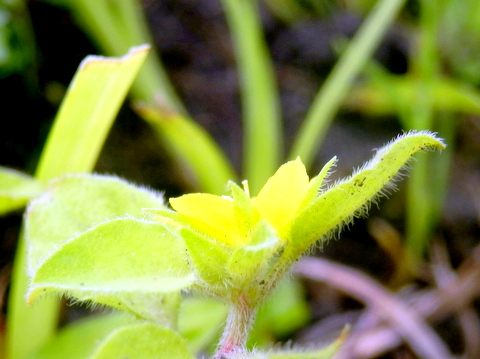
<point>239,241</point>
<point>277,204</point>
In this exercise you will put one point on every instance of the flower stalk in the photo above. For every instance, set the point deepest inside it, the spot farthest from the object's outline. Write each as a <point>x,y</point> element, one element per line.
<point>240,319</point>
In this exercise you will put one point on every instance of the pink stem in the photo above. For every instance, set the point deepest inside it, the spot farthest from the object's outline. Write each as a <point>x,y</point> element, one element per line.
<point>239,321</point>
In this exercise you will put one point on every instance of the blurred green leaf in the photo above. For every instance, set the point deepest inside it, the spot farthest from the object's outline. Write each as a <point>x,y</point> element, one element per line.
<point>336,86</point>
<point>143,340</point>
<point>460,38</point>
<point>200,321</point>
<point>80,339</point>
<point>16,189</point>
<point>260,94</point>
<point>284,312</point>
<point>17,46</point>
<point>385,94</point>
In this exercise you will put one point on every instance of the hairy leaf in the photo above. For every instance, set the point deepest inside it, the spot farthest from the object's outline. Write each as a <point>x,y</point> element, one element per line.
<point>75,203</point>
<point>348,198</point>
<point>122,263</point>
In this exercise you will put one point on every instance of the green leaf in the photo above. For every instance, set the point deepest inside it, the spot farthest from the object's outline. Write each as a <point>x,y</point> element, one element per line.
<point>80,339</point>
<point>77,202</point>
<point>115,263</point>
<point>350,197</point>
<point>16,189</point>
<point>73,145</point>
<point>143,340</point>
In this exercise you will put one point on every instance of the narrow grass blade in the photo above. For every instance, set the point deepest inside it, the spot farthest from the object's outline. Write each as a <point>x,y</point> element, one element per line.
<point>260,102</point>
<point>96,93</point>
<point>115,27</point>
<point>192,147</point>
<point>335,88</point>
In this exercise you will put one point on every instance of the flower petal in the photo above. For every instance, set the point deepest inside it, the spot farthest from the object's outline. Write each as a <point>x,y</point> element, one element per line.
<point>279,199</point>
<point>212,215</point>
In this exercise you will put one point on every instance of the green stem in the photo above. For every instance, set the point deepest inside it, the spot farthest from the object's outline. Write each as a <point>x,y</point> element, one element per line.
<point>336,86</point>
<point>260,102</point>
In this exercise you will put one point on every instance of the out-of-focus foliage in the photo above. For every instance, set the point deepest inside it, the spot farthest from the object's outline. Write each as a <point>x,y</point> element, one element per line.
<point>17,48</point>
<point>460,38</point>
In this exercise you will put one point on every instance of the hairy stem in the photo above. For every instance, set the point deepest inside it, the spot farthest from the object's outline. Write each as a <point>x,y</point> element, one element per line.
<point>239,321</point>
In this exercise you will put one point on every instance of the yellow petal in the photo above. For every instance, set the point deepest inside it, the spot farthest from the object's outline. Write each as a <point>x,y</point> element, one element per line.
<point>279,199</point>
<point>210,214</point>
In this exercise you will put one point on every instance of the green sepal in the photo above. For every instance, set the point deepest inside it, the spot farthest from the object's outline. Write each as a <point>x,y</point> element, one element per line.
<point>317,182</point>
<point>351,197</point>
<point>121,263</point>
<point>250,262</point>
<point>143,340</point>
<point>208,258</point>
<point>246,216</point>
<point>16,189</point>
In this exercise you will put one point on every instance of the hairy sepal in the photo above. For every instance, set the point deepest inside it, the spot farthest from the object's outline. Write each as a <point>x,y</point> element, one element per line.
<point>124,263</point>
<point>318,182</point>
<point>351,196</point>
<point>209,260</point>
<point>248,264</point>
<point>246,215</point>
